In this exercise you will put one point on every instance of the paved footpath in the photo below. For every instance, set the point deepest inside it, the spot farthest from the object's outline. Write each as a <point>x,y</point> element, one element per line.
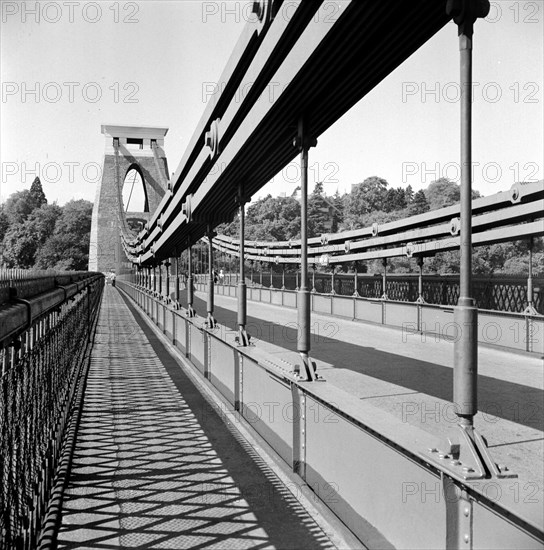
<point>155,467</point>
<point>411,377</point>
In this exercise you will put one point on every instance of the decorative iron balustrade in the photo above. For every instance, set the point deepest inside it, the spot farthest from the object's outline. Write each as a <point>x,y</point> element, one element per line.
<point>41,364</point>
<point>499,293</point>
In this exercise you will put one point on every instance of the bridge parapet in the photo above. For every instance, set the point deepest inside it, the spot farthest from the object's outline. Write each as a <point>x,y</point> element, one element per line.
<point>23,284</point>
<point>44,339</point>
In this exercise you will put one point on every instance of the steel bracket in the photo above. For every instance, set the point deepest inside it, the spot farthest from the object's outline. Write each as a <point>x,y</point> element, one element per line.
<point>243,339</point>
<point>190,311</point>
<point>210,322</point>
<point>310,369</point>
<point>463,454</point>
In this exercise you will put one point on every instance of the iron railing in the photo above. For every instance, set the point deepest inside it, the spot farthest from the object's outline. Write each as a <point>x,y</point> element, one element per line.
<point>24,283</point>
<point>41,365</point>
<point>498,292</point>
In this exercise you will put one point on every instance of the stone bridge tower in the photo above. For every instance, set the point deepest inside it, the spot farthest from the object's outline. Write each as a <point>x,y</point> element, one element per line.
<point>128,148</point>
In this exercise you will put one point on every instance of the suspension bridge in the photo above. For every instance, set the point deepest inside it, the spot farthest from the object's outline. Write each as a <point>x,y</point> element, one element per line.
<point>287,409</point>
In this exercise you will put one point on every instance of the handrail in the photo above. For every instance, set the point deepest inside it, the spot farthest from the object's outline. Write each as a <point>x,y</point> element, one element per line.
<point>19,313</point>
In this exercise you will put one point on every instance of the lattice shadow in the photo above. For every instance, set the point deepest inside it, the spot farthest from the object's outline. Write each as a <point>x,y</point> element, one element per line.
<point>154,468</point>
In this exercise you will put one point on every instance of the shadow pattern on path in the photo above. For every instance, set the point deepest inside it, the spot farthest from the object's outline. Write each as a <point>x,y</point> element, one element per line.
<point>155,467</point>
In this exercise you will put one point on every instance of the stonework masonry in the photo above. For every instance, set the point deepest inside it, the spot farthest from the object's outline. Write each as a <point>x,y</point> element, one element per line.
<point>134,151</point>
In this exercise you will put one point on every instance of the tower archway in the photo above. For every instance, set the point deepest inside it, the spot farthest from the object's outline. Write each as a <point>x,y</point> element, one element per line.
<point>135,151</point>
<point>135,197</point>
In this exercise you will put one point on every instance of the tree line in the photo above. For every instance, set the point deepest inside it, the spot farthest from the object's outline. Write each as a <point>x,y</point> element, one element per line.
<point>37,235</point>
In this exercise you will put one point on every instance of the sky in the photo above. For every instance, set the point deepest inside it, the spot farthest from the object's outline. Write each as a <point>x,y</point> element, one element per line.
<point>69,66</point>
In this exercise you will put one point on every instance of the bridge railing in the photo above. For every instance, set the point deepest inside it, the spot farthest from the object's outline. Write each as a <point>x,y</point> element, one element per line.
<point>498,292</point>
<point>22,283</point>
<point>46,325</point>
<point>522,331</point>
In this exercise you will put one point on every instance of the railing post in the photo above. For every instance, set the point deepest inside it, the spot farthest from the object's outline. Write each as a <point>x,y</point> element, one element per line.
<point>465,313</point>
<point>465,371</point>
<point>243,337</point>
<point>530,309</point>
<point>355,281</point>
<point>384,279</point>
<point>332,279</point>
<point>177,266</point>
<point>283,277</point>
<point>420,298</point>
<point>303,143</point>
<point>210,320</point>
<point>271,274</point>
<point>167,265</point>
<point>261,275</point>
<point>190,310</point>
<point>314,267</point>
<point>160,280</point>
<point>88,313</point>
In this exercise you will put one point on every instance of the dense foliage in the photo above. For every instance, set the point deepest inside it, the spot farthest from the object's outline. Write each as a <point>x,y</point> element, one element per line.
<point>35,234</point>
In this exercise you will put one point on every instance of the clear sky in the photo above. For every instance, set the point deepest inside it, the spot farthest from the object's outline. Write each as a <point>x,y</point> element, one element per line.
<point>68,67</point>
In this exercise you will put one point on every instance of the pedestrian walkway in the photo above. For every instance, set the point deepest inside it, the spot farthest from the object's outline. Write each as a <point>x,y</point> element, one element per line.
<point>155,467</point>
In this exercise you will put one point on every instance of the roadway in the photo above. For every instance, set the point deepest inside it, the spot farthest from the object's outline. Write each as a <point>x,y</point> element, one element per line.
<point>411,377</point>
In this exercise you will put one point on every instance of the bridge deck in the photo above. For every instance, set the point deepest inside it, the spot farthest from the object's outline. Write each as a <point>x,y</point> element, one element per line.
<point>411,377</point>
<point>156,467</point>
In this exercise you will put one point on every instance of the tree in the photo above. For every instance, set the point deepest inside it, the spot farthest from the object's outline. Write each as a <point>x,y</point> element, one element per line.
<point>16,235</point>
<point>68,247</point>
<point>337,204</point>
<point>19,247</point>
<point>408,195</point>
<point>43,221</point>
<point>442,192</point>
<point>395,199</point>
<point>273,218</point>
<point>37,196</point>
<point>319,212</point>
<point>18,206</point>
<point>318,189</point>
<point>444,263</point>
<point>4,222</point>
<point>23,240</point>
<point>366,197</point>
<point>419,205</point>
